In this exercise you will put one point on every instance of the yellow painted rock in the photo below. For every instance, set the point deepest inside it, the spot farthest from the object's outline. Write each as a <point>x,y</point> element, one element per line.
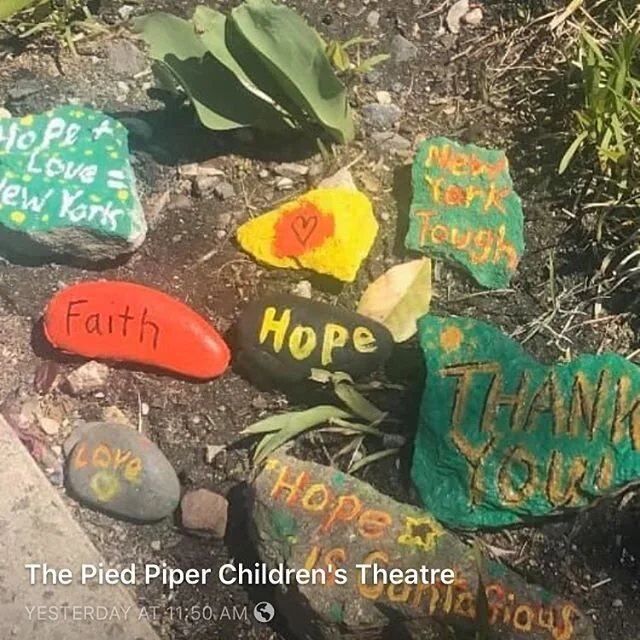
<point>329,231</point>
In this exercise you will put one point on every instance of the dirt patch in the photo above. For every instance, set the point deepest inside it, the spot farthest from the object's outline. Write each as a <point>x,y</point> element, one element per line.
<point>190,253</point>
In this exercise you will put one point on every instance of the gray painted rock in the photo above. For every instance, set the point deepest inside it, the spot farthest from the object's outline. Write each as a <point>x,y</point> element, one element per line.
<point>308,516</point>
<point>114,469</point>
<point>67,186</point>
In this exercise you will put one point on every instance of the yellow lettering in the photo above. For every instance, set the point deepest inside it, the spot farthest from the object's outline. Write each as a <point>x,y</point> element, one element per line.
<point>399,596</point>
<point>120,457</point>
<point>494,198</point>
<point>372,592</point>
<point>133,470</point>
<point>334,336</point>
<point>548,400</point>
<point>278,327</point>
<point>302,342</point>
<point>439,156</point>
<point>105,486</point>
<point>587,403</point>
<point>436,188</point>
<point>483,240</point>
<point>310,500</point>
<point>424,224</point>
<point>506,248</point>
<point>363,340</point>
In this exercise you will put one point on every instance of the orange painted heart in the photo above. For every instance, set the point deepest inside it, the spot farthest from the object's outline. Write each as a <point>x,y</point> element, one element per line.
<point>128,322</point>
<point>302,229</point>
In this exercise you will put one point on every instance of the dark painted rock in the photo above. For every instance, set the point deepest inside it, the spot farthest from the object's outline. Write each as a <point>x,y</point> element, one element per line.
<point>67,186</point>
<point>307,516</point>
<point>286,336</point>
<point>127,322</point>
<point>516,438</point>
<point>464,209</point>
<point>114,469</point>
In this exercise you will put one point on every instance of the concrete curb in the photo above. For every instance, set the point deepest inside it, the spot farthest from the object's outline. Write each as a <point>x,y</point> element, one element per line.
<point>37,528</point>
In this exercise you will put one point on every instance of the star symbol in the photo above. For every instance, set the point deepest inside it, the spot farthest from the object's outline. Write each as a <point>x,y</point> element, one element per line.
<point>420,532</point>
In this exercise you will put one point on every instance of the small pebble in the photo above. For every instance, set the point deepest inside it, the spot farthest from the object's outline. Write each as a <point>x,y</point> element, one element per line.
<point>617,604</point>
<point>224,190</point>
<point>87,378</point>
<point>302,289</point>
<point>284,184</point>
<point>156,545</point>
<point>373,19</point>
<point>49,425</point>
<point>204,510</point>
<point>211,451</point>
<point>144,409</point>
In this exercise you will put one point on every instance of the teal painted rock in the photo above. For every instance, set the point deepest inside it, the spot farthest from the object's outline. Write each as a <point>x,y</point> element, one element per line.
<point>67,186</point>
<point>464,209</point>
<point>377,568</point>
<point>503,438</point>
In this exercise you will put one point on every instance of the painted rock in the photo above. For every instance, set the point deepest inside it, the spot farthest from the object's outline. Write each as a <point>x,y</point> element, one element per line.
<point>286,336</point>
<point>515,438</point>
<point>116,470</point>
<point>67,186</point>
<point>329,231</point>
<point>464,209</point>
<point>127,322</point>
<point>375,566</point>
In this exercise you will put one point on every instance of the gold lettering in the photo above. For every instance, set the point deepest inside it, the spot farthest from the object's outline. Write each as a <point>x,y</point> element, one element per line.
<point>529,617</point>
<point>334,336</point>
<point>399,596</point>
<point>278,327</point>
<point>506,477</point>
<point>496,399</point>
<point>439,156</point>
<point>588,404</point>
<point>473,455</point>
<point>547,400</point>
<point>456,242</point>
<point>483,241</point>
<point>302,342</point>
<point>363,340</point>
<point>604,478</point>
<point>434,594</point>
<point>571,494</point>
<point>465,605</point>
<point>494,197</point>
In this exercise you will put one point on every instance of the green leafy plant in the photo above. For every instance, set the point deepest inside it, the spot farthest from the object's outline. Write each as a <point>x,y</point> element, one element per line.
<point>607,125</point>
<point>359,420</point>
<point>261,66</point>
<point>66,21</point>
<point>338,54</point>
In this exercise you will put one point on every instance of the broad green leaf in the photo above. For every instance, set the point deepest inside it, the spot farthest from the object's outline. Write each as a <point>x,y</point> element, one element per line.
<point>296,61</point>
<point>9,7</point>
<point>211,27</point>
<point>571,151</point>
<point>296,420</point>
<point>358,404</point>
<point>399,297</point>
<point>221,101</point>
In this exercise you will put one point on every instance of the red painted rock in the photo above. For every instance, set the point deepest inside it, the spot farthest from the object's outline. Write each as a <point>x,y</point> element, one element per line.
<point>131,323</point>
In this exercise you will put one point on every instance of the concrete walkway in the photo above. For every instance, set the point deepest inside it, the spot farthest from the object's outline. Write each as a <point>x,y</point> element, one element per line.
<point>36,528</point>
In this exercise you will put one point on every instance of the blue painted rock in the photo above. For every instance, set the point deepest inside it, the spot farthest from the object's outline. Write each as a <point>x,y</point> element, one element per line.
<point>286,336</point>
<point>394,567</point>
<point>114,469</point>
<point>503,438</point>
<point>128,322</point>
<point>67,186</point>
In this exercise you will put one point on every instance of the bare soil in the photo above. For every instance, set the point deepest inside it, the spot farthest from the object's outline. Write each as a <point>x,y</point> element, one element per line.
<point>452,88</point>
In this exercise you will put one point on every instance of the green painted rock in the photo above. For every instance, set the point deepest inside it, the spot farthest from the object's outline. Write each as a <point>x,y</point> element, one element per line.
<point>503,438</point>
<point>376,568</point>
<point>464,209</point>
<point>67,186</point>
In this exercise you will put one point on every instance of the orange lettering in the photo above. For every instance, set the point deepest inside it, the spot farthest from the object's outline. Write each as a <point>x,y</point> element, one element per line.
<point>372,524</point>
<point>347,508</point>
<point>101,457</point>
<point>309,501</point>
<point>80,459</point>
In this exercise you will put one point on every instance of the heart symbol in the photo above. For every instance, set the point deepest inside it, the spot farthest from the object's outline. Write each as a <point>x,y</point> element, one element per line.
<point>303,227</point>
